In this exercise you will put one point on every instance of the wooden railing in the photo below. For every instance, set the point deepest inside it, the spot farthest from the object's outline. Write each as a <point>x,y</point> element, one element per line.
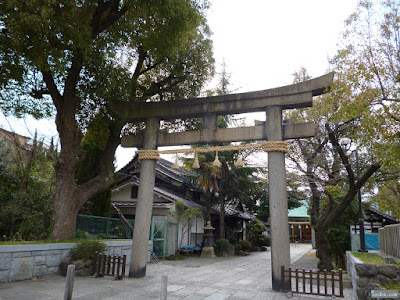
<point>112,265</point>
<point>312,282</point>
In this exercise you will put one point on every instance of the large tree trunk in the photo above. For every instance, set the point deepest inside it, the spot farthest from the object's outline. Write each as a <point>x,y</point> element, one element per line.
<point>324,252</point>
<point>66,205</point>
<point>70,197</point>
<point>207,201</point>
<point>66,202</point>
<point>64,217</point>
<point>340,260</point>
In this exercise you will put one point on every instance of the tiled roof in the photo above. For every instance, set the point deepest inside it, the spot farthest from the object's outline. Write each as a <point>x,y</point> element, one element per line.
<point>231,210</point>
<point>164,168</point>
<point>299,212</point>
<point>385,217</point>
<point>175,197</point>
<point>180,175</point>
<point>164,193</point>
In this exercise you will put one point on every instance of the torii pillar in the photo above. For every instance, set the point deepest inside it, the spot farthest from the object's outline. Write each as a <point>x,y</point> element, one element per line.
<point>141,230</point>
<point>278,204</point>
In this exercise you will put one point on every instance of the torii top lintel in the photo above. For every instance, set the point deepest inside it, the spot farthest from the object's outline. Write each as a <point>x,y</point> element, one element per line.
<point>291,96</point>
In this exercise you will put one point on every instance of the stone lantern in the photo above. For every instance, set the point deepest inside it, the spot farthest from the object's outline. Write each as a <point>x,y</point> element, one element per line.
<point>208,250</point>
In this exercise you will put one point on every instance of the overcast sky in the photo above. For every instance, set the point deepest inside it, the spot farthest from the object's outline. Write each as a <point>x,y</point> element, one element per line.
<point>262,42</point>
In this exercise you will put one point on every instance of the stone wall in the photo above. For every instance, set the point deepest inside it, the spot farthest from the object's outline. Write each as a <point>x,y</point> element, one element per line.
<point>367,277</point>
<point>21,262</point>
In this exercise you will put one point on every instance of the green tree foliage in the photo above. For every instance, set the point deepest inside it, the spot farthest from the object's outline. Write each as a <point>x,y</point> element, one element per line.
<point>388,197</point>
<point>324,163</point>
<point>367,66</point>
<point>367,86</point>
<point>88,167</point>
<point>366,92</point>
<point>255,234</point>
<point>70,58</point>
<point>26,190</point>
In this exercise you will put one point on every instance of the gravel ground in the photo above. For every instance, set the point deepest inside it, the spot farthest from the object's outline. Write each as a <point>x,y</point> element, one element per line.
<point>308,261</point>
<point>192,278</point>
<point>167,267</point>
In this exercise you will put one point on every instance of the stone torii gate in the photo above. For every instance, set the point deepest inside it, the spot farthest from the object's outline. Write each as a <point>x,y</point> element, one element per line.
<point>272,101</point>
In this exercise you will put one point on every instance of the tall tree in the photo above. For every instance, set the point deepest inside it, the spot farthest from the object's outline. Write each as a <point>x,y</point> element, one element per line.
<point>325,163</point>
<point>367,65</point>
<point>388,197</point>
<point>70,57</point>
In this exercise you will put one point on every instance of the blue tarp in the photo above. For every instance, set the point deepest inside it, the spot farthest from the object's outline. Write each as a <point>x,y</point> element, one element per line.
<point>188,247</point>
<point>371,241</point>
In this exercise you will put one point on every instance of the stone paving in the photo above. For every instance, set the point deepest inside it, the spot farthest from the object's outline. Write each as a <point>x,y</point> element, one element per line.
<point>246,277</point>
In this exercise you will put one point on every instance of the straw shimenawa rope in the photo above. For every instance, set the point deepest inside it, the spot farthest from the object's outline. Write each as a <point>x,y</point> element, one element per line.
<point>270,146</point>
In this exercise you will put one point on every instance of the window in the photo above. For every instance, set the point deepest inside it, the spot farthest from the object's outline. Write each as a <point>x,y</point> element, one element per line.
<point>134,192</point>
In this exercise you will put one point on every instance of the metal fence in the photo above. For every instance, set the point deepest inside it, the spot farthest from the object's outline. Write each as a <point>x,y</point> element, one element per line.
<point>389,240</point>
<point>163,234</point>
<point>101,227</point>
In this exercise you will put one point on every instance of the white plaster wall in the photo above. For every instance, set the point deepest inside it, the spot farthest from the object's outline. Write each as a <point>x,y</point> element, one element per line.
<point>200,225</point>
<point>123,194</point>
<point>189,236</point>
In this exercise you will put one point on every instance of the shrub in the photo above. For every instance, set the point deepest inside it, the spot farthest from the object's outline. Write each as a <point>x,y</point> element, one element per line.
<point>105,236</point>
<point>255,234</point>
<point>238,248</point>
<point>233,240</point>
<point>265,241</point>
<point>221,246</point>
<point>86,249</point>
<point>33,228</point>
<point>81,234</point>
<point>246,245</point>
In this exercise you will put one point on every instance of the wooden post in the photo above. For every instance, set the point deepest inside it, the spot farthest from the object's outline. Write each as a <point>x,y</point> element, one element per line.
<point>164,287</point>
<point>144,206</point>
<point>69,283</point>
<point>123,266</point>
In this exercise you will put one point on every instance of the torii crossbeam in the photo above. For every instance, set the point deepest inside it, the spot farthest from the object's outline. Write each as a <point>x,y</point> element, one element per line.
<point>272,101</point>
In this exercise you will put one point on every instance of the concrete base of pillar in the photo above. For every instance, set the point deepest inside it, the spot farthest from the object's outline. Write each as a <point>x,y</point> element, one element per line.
<point>207,252</point>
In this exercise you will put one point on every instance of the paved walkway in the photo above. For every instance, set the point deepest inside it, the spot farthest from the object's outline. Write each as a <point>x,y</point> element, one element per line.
<point>246,277</point>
